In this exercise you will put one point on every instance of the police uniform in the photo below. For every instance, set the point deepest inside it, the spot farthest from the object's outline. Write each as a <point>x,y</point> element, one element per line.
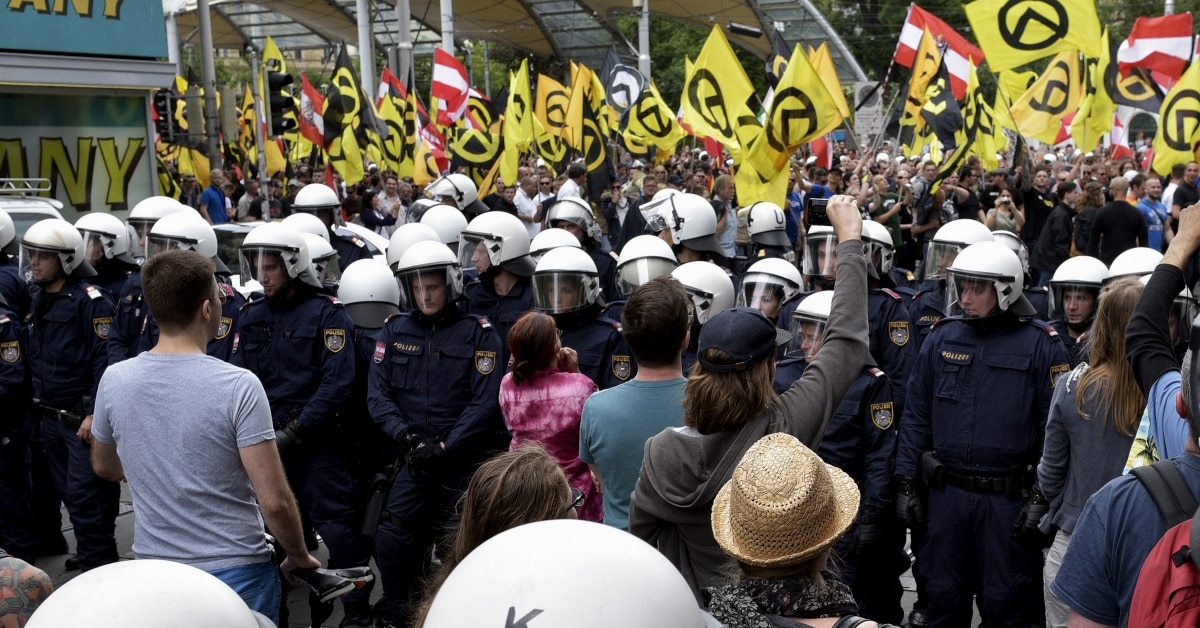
<point>18,528</point>
<point>221,346</point>
<point>927,309</point>
<point>979,397</point>
<point>436,381</point>
<point>123,336</point>
<point>614,309</point>
<point>861,440</point>
<point>890,338</point>
<point>14,289</point>
<point>604,355</point>
<point>350,248</point>
<point>1074,346</point>
<point>298,348</point>
<point>606,271</point>
<point>904,278</point>
<point>111,275</point>
<point>501,311</point>
<point>67,333</point>
<point>1039,298</point>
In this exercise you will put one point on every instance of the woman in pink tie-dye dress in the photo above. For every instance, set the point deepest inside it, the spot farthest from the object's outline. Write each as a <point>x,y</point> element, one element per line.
<point>542,400</point>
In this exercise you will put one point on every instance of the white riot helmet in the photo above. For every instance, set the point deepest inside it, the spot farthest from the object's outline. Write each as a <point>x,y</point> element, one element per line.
<point>820,252</point>
<point>987,266</point>
<point>456,190</point>
<point>1183,309</point>
<point>447,221</point>
<point>496,239</point>
<point>419,206</point>
<point>521,574</point>
<point>273,239</point>
<point>813,310</point>
<point>308,223</point>
<point>146,593</point>
<point>1076,273</point>
<point>949,240</point>
<point>105,237</point>
<point>324,259</point>
<point>57,236</point>
<point>1014,244</point>
<point>552,238</point>
<point>405,236</point>
<point>147,212</point>
<point>320,200</point>
<point>767,284</point>
<point>8,232</point>
<point>1134,262</point>
<point>881,249</point>
<point>577,212</point>
<point>643,258</point>
<point>767,225</point>
<point>188,231</point>
<point>370,293</point>
<point>565,280</point>
<point>421,263</point>
<point>708,286</point>
<point>690,219</point>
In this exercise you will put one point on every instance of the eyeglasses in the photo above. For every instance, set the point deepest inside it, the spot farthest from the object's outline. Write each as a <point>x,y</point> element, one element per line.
<point>222,298</point>
<point>544,182</point>
<point>576,499</point>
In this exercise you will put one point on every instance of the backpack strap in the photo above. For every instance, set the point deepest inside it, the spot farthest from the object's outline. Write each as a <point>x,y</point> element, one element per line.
<point>1169,490</point>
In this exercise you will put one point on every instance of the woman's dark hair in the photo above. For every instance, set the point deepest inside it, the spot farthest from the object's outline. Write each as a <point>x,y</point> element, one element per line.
<point>533,342</point>
<point>368,199</point>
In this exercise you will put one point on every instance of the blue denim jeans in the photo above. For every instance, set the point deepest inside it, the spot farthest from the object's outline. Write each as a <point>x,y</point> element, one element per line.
<point>257,584</point>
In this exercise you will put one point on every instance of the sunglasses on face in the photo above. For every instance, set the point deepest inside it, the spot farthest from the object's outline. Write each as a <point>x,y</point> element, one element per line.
<point>577,497</point>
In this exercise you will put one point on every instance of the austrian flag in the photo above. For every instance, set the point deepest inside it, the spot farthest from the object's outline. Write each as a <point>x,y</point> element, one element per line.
<point>958,50</point>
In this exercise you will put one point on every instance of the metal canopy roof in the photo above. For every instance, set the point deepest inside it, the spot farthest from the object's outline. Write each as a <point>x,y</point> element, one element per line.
<point>565,29</point>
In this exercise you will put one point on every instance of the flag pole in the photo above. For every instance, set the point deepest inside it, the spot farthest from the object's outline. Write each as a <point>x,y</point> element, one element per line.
<point>259,141</point>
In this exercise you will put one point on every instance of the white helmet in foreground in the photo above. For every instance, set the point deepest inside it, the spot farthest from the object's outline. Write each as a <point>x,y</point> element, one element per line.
<point>370,293</point>
<point>61,238</point>
<point>983,267</point>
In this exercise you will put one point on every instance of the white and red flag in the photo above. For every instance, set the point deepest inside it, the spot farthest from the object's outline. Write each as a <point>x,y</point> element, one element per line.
<point>1161,44</point>
<point>450,85</point>
<point>960,53</point>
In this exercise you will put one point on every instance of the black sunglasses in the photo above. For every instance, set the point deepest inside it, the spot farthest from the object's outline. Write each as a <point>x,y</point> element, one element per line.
<point>577,499</point>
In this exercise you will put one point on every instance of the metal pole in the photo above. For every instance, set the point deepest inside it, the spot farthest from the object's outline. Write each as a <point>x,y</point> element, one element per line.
<point>1169,7</point>
<point>260,142</point>
<point>835,40</point>
<point>366,48</point>
<point>393,62</point>
<point>487,71</point>
<point>209,79</point>
<point>448,26</point>
<point>173,43</point>
<point>470,66</point>
<point>405,45</point>
<point>644,40</point>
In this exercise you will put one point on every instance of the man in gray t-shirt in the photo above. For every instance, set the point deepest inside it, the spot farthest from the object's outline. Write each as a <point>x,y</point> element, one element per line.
<point>193,437</point>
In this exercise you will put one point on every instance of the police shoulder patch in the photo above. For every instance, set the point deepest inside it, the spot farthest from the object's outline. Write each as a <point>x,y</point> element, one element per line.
<point>10,351</point>
<point>891,293</point>
<point>882,415</point>
<point>1057,370</point>
<point>1050,331</point>
<point>380,350</point>
<point>875,372</point>
<point>93,292</point>
<point>335,339</point>
<point>101,326</point>
<point>622,367</point>
<point>485,362</point>
<point>224,327</point>
<point>898,332</point>
<point>359,243</point>
<point>484,322</point>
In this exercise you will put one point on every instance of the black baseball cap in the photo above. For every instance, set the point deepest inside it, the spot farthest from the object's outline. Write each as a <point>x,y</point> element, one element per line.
<point>745,334</point>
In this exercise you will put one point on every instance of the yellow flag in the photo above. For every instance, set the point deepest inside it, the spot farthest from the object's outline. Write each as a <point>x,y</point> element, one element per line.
<point>1095,117</point>
<point>425,168</point>
<point>1178,136</point>
<point>1039,110</point>
<point>924,68</point>
<point>649,121</point>
<point>823,63</point>
<point>246,122</point>
<point>803,108</point>
<point>275,159</point>
<point>552,102</point>
<point>716,93</point>
<point>581,85</point>
<point>1015,32</point>
<point>550,147</point>
<point>980,120</point>
<point>518,124</point>
<point>1014,83</point>
<point>391,111</point>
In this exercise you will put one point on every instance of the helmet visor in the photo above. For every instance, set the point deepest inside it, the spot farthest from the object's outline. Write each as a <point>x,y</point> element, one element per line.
<point>637,272</point>
<point>159,244</point>
<point>702,304</point>
<point>479,252</point>
<point>1073,303</point>
<point>556,293</point>
<point>970,296</point>
<point>141,227</point>
<point>328,269</point>
<point>808,333</point>
<point>264,265</point>
<point>939,257</point>
<point>820,255</point>
<point>766,293</point>
<point>429,290</point>
<point>97,246</point>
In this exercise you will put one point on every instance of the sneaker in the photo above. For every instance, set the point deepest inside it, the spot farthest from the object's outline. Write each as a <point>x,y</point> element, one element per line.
<point>71,564</point>
<point>325,584</point>
<point>918,619</point>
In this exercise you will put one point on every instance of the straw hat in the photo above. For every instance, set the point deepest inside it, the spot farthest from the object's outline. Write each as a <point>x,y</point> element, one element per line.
<point>783,504</point>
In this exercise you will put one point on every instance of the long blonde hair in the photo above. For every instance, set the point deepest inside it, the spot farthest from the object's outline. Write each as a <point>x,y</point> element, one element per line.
<point>1109,375</point>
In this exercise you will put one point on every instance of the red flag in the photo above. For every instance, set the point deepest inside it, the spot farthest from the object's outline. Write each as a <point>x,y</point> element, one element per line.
<point>1064,129</point>
<point>821,150</point>
<point>1162,44</point>
<point>959,52</point>
<point>1120,141</point>
<point>312,105</point>
<point>389,83</point>
<point>450,85</point>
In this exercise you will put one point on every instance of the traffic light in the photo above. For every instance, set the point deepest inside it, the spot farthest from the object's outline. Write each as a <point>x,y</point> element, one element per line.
<point>164,114</point>
<point>282,105</point>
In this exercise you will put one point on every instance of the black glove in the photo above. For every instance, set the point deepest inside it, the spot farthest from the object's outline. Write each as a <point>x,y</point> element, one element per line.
<point>408,440</point>
<point>1026,525</point>
<point>425,457</point>
<point>868,535</point>
<point>288,438</point>
<point>909,508</point>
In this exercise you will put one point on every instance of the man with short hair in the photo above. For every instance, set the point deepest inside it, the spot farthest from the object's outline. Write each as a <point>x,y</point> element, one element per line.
<point>574,185</point>
<point>1158,217</point>
<point>1039,201</point>
<point>250,197</point>
<point>1186,194</point>
<point>212,202</point>
<point>1119,226</point>
<point>528,209</point>
<point>210,422</point>
<point>655,324</point>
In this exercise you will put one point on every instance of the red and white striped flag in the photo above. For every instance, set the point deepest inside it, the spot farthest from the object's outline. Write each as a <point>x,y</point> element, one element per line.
<point>389,83</point>
<point>1119,139</point>
<point>1161,44</point>
<point>959,52</point>
<point>450,85</point>
<point>312,105</point>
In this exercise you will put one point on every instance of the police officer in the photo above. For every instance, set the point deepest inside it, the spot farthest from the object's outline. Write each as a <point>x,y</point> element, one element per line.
<point>434,388</point>
<point>566,286</point>
<point>295,341</point>
<point>710,290</point>
<point>123,337</point>
<point>496,245</point>
<point>642,258</point>
<point>188,231</point>
<point>12,284</point>
<point>768,284</point>
<point>688,224</point>
<point>860,440</point>
<point>458,191</point>
<point>1038,296</point>
<point>890,321</point>
<point>106,241</point>
<point>67,330</point>
<point>319,199</point>
<point>928,304</point>
<point>18,528</point>
<point>972,431</point>
<point>1074,298</point>
<point>549,239</point>
<point>575,215</point>
<point>767,226</point>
